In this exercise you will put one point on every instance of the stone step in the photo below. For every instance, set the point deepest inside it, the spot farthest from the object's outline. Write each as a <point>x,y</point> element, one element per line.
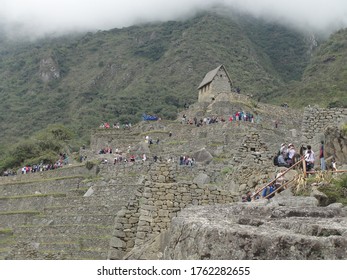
<point>100,219</point>
<point>3,253</point>
<point>32,202</point>
<point>12,219</point>
<point>87,254</point>
<point>42,186</point>
<point>84,241</point>
<point>84,202</point>
<point>81,209</point>
<point>74,247</point>
<point>63,230</point>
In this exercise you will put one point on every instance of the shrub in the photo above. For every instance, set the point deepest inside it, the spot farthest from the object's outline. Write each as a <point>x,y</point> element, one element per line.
<point>337,190</point>
<point>226,170</point>
<point>89,165</point>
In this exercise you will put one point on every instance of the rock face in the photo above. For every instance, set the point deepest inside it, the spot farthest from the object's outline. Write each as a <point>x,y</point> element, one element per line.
<point>336,144</point>
<point>49,69</point>
<point>259,231</point>
<point>203,156</point>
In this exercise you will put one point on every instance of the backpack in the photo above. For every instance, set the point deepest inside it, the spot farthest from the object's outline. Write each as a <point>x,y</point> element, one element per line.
<point>275,160</point>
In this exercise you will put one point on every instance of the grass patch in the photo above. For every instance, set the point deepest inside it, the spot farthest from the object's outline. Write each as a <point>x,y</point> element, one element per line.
<point>226,170</point>
<point>45,180</point>
<point>33,195</point>
<point>91,179</point>
<point>24,212</point>
<point>67,225</point>
<point>150,132</point>
<point>220,159</point>
<point>216,144</point>
<point>344,129</point>
<point>6,231</point>
<point>173,143</point>
<point>336,191</point>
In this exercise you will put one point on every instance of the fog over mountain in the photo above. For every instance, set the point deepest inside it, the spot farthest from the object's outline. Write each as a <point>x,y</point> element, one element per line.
<point>35,18</point>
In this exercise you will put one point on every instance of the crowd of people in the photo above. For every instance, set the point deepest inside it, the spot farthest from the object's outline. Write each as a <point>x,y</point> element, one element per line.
<point>286,154</point>
<point>63,160</point>
<point>187,160</point>
<point>117,125</point>
<point>237,116</point>
<point>285,158</point>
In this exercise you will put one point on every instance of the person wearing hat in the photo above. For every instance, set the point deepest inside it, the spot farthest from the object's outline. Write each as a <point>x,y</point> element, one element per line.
<point>283,149</point>
<point>291,153</point>
<point>309,158</point>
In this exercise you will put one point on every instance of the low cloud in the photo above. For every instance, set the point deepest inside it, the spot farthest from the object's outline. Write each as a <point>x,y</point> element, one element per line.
<point>36,18</point>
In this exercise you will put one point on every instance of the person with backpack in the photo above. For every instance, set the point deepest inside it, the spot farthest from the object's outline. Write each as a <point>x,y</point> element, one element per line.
<point>309,158</point>
<point>281,161</point>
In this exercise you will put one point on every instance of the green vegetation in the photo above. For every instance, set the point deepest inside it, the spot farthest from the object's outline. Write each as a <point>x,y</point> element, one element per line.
<point>118,75</point>
<point>43,147</point>
<point>226,170</point>
<point>337,190</point>
<point>6,231</point>
<point>154,132</point>
<point>324,79</point>
<point>344,129</point>
<point>173,143</point>
<point>24,212</point>
<point>33,195</point>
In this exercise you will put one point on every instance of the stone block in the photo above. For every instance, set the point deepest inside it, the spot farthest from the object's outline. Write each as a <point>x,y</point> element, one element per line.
<point>133,220</point>
<point>116,242</point>
<point>146,219</point>
<point>169,204</point>
<point>118,225</point>
<point>186,198</point>
<point>140,235</point>
<point>149,207</point>
<point>115,254</point>
<point>170,196</point>
<point>127,226</point>
<point>144,228</point>
<point>161,179</point>
<point>130,243</point>
<point>163,213</point>
<point>147,195</point>
<point>119,233</point>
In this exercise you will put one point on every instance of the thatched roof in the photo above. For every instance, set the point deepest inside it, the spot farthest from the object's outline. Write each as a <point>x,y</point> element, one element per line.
<point>210,76</point>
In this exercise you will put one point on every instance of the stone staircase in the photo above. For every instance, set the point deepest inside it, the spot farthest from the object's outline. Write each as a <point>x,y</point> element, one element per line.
<point>60,218</point>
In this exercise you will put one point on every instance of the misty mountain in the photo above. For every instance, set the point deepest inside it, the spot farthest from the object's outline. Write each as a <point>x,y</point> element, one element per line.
<point>82,80</point>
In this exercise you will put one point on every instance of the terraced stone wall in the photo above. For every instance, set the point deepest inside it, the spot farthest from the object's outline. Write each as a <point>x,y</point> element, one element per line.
<point>316,120</point>
<point>156,202</point>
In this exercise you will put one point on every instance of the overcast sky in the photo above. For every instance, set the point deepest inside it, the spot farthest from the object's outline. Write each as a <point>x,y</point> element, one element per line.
<point>39,17</point>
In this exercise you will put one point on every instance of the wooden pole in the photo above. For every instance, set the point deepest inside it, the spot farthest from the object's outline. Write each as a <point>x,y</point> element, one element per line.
<point>274,180</point>
<point>327,171</point>
<point>279,188</point>
<point>304,168</point>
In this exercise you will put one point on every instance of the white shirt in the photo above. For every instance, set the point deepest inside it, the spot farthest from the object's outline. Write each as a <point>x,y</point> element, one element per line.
<point>309,157</point>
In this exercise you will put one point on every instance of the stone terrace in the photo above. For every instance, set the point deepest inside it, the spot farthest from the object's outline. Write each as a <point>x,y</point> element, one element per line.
<point>67,217</point>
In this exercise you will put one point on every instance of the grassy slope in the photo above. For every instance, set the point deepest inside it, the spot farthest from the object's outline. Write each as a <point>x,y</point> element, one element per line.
<point>324,81</point>
<point>119,74</point>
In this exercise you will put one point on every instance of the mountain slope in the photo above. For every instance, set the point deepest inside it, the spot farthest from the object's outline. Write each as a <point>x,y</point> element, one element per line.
<point>324,81</point>
<point>83,80</point>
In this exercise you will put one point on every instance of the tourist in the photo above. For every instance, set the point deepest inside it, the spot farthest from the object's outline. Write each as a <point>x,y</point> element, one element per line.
<point>291,153</point>
<point>321,156</point>
<point>309,158</point>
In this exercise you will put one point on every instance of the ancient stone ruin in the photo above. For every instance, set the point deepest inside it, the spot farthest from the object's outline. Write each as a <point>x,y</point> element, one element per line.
<point>164,210</point>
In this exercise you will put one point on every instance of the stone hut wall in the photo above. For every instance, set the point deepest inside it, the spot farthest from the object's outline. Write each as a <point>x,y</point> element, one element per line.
<point>155,204</point>
<point>219,84</point>
<point>253,145</point>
